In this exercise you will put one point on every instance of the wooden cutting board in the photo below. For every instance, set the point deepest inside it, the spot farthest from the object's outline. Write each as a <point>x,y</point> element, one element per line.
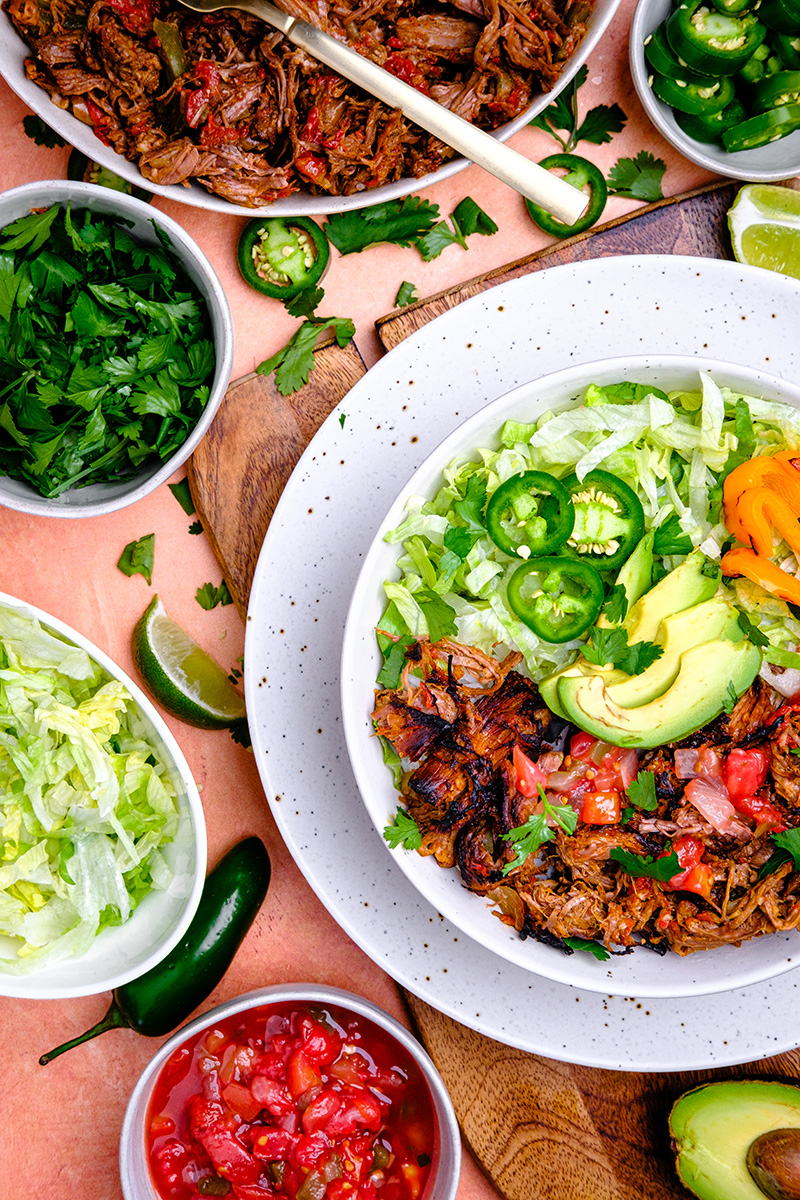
<point>541,1130</point>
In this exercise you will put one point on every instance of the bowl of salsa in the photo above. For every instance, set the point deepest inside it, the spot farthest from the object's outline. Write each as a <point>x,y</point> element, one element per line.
<point>293,1092</point>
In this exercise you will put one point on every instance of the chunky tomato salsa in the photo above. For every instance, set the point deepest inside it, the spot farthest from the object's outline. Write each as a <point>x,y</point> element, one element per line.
<point>291,1101</point>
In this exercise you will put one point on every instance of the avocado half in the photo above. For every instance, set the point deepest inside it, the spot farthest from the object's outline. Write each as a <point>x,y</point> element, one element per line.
<point>713,1125</point>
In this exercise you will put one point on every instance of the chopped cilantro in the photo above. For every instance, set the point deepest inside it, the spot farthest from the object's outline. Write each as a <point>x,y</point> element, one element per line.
<point>788,843</point>
<point>642,791</point>
<point>662,868</point>
<point>670,538</point>
<point>637,178</point>
<point>403,831</point>
<point>294,362</point>
<point>137,557</point>
<point>597,126</point>
<point>304,303</point>
<point>342,419</point>
<point>42,134</point>
<point>240,733</point>
<point>439,615</point>
<point>196,527</point>
<point>397,221</point>
<point>527,838</point>
<point>611,646</point>
<point>731,696</point>
<point>184,497</point>
<point>467,218</point>
<point>406,294</point>
<point>616,606</point>
<point>751,631</point>
<point>209,597</point>
<point>596,948</point>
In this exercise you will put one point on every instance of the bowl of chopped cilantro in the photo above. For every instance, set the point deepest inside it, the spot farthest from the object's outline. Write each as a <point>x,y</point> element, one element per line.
<point>117,345</point>
<point>104,839</point>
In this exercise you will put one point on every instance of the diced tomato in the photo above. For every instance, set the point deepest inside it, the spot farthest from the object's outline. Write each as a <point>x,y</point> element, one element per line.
<point>100,121</point>
<point>136,15</point>
<point>528,776</point>
<point>313,166</point>
<point>320,1044</point>
<point>311,1149</point>
<point>320,1111</point>
<point>301,1074</point>
<point>169,1161</point>
<point>272,1095</point>
<point>581,745</point>
<point>242,1101</point>
<point>745,772</point>
<point>762,811</point>
<point>274,1145</point>
<point>697,879</point>
<point>229,1156</point>
<point>350,1068</point>
<point>403,68</point>
<point>697,876</point>
<point>601,808</point>
<point>203,1115</point>
<point>161,1124</point>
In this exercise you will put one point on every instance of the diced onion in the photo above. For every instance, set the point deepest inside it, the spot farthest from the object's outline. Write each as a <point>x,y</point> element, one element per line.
<point>785,680</point>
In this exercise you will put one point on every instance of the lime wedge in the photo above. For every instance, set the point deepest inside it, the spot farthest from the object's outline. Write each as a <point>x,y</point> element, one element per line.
<point>184,680</point>
<point>764,222</point>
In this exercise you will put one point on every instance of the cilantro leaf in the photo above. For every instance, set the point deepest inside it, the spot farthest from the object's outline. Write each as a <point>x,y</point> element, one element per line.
<point>528,838</point>
<point>616,606</point>
<point>184,497</point>
<point>42,134</point>
<point>670,538</point>
<point>196,527</point>
<point>209,597</point>
<point>596,948</point>
<point>788,843</point>
<point>397,221</point>
<point>240,733</point>
<point>642,791</point>
<point>638,657</point>
<point>751,631</point>
<point>611,646</point>
<point>403,831</point>
<point>470,218</point>
<point>342,419</point>
<point>406,294</point>
<point>439,615</point>
<point>393,637</point>
<point>662,868</point>
<point>731,696</point>
<point>294,362</point>
<point>32,231</point>
<point>562,113</point>
<point>637,178</point>
<point>138,557</point>
<point>304,303</point>
<point>600,123</point>
<point>467,218</point>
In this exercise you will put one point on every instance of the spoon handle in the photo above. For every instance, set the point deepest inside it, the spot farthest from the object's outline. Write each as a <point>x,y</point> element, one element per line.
<point>552,193</point>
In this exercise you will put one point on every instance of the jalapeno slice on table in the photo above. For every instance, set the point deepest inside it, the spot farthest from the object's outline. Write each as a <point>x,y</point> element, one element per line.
<point>609,519</point>
<point>281,256</point>
<point>580,173</point>
<point>710,42</point>
<point>557,598</point>
<point>530,513</point>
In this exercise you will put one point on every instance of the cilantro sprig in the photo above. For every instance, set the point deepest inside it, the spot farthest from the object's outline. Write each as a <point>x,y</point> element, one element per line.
<point>294,362</point>
<point>403,831</point>
<point>467,218</point>
<point>788,850</point>
<point>597,126</point>
<point>638,178</point>
<point>611,646</point>
<point>662,868</point>
<point>208,596</point>
<point>138,557</point>
<point>528,838</point>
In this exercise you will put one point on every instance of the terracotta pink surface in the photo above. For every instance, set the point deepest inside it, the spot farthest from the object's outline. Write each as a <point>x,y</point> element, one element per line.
<point>61,1128</point>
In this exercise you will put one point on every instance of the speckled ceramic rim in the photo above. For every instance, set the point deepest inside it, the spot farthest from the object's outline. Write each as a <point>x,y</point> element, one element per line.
<point>642,975</point>
<point>767,164</point>
<point>91,973</point>
<point>12,53</point>
<point>100,499</point>
<point>133,1166</point>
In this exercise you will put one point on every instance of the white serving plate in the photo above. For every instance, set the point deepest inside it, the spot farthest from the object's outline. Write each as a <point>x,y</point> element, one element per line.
<point>12,57</point>
<point>642,973</point>
<point>124,952</point>
<point>322,528</point>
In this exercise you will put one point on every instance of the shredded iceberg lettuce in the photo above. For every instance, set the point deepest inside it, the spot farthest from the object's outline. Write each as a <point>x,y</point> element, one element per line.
<point>86,805</point>
<point>672,450</point>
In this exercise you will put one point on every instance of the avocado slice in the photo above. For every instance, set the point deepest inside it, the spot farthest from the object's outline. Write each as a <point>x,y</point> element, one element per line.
<point>713,619</point>
<point>713,1125</point>
<point>705,676</point>
<point>548,688</point>
<point>692,582</point>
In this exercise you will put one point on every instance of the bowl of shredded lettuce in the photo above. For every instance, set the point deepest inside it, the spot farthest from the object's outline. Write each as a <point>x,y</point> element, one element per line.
<point>671,428</point>
<point>102,834</point>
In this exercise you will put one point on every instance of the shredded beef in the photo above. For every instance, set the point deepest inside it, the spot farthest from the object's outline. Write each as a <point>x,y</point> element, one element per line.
<point>295,124</point>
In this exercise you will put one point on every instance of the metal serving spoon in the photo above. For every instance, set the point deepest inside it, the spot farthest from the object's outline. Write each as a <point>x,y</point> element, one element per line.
<point>556,196</point>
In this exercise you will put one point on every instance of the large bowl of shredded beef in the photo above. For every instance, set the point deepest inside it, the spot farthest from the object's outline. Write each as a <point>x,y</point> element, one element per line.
<point>221,111</point>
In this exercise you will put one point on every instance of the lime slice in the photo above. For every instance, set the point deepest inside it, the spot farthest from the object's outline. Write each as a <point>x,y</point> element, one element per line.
<point>184,680</point>
<point>764,222</point>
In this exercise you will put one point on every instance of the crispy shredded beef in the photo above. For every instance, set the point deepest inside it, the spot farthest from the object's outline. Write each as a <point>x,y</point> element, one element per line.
<point>253,118</point>
<point>460,789</point>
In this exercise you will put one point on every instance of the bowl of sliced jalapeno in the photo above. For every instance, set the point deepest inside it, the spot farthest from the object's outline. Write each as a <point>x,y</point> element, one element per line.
<point>720,79</point>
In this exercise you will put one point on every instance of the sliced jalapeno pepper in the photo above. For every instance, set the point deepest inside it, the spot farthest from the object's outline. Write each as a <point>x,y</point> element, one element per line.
<point>759,65</point>
<point>280,256</point>
<point>713,43</point>
<point>787,49</point>
<point>609,519</point>
<point>777,90</point>
<point>766,127</point>
<point>781,15</point>
<point>530,513</point>
<point>732,6</point>
<point>581,173</point>
<point>690,96</point>
<point>557,598</point>
<point>710,128</point>
<point>662,58</point>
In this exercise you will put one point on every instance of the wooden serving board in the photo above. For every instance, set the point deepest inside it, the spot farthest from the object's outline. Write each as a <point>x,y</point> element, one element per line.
<point>540,1129</point>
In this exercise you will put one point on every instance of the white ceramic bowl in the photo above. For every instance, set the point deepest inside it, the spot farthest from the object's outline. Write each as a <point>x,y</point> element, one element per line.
<point>445,1171</point>
<point>778,160</point>
<point>639,974</point>
<point>12,58</point>
<point>100,498</point>
<point>123,952</point>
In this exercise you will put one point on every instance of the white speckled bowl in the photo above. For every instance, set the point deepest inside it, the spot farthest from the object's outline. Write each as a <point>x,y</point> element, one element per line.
<point>778,160</point>
<point>124,952</point>
<point>642,973</point>
<point>12,59</point>
<point>133,1164</point>
<point>98,499</point>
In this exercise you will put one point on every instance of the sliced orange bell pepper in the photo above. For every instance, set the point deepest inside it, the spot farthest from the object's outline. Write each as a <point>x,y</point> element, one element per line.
<point>759,509</point>
<point>761,570</point>
<point>776,472</point>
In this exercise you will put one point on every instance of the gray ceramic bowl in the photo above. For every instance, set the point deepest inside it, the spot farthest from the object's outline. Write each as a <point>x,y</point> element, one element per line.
<point>99,499</point>
<point>445,1172</point>
<point>776,161</point>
